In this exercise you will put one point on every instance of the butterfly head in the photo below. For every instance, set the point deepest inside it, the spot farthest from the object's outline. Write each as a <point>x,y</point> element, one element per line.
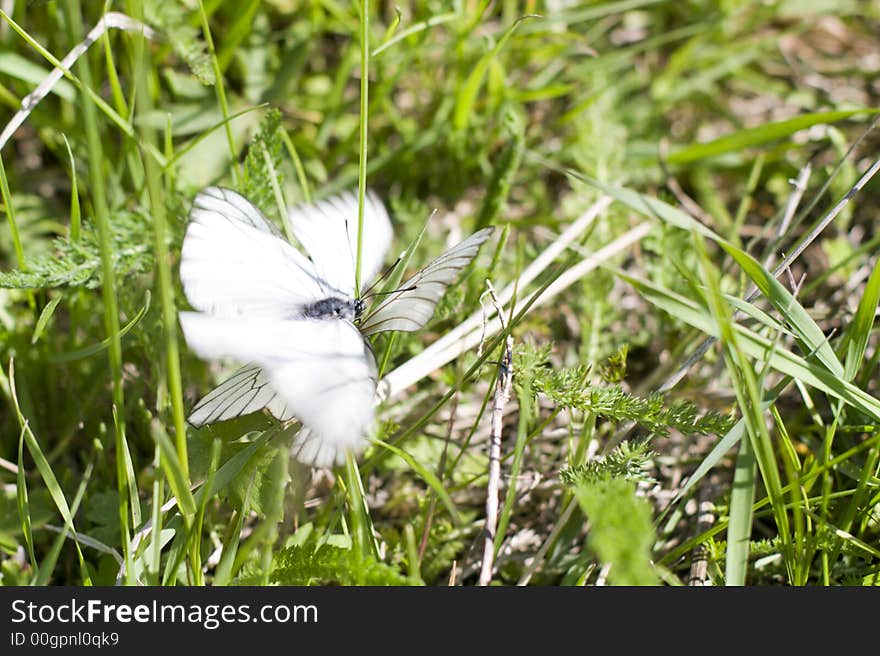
<point>359,306</point>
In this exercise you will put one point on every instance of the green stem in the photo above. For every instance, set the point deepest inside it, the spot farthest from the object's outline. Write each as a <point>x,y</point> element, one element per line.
<point>221,91</point>
<point>160,246</point>
<point>10,216</point>
<point>297,165</point>
<point>97,177</point>
<point>362,163</point>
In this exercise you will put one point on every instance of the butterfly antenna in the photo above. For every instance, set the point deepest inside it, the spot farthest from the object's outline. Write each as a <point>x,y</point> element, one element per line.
<point>394,266</point>
<point>387,272</point>
<point>390,291</point>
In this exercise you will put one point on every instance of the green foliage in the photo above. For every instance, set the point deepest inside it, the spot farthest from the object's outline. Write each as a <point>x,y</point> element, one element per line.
<point>172,19</point>
<point>570,387</point>
<point>445,544</point>
<point>630,462</point>
<point>504,169</point>
<point>613,370</point>
<point>621,532</point>
<point>691,120</point>
<point>621,529</point>
<point>331,564</point>
<point>103,515</point>
<point>262,165</point>
<point>78,263</point>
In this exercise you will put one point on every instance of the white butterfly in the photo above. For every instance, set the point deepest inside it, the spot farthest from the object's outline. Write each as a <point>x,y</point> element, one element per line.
<point>295,319</point>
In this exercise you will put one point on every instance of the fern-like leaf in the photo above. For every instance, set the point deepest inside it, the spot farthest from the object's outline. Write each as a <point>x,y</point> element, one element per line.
<point>258,173</point>
<point>172,19</point>
<point>332,565</point>
<point>571,387</point>
<point>629,461</point>
<point>78,264</point>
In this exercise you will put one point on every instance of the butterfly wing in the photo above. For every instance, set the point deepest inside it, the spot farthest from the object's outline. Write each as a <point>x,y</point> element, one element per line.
<point>233,264</point>
<point>322,370</point>
<point>247,390</point>
<point>410,308</point>
<point>235,206</point>
<point>328,230</point>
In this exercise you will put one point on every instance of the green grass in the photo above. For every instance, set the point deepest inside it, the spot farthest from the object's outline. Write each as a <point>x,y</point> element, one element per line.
<point>690,120</point>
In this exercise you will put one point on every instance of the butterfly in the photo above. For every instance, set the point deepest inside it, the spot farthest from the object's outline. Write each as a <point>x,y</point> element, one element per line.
<point>293,317</point>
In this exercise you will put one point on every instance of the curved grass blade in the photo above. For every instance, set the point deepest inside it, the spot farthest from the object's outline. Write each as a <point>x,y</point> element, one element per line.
<point>48,564</point>
<point>855,339</point>
<point>757,136</point>
<point>89,351</point>
<point>427,475</point>
<point>46,473</point>
<point>755,346</point>
<point>24,511</point>
<point>812,338</point>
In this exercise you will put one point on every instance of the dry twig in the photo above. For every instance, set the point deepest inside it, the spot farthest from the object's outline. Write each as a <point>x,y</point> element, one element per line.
<point>502,396</point>
<point>705,518</point>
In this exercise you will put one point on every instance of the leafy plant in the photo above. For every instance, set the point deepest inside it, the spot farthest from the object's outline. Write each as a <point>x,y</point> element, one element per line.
<point>684,259</point>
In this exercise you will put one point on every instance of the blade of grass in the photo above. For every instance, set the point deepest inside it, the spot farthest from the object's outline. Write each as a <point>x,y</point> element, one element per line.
<point>297,166</point>
<point>195,558</point>
<point>111,19</point>
<point>48,565</point>
<point>739,528</point>
<point>238,30</point>
<point>760,135</point>
<point>221,94</point>
<point>177,479</point>
<point>359,513</point>
<point>854,345</point>
<point>130,478</point>
<point>855,339</point>
<point>362,137</point>
<point>725,444</point>
<point>413,29</point>
<point>798,501</point>
<point>812,338</point>
<point>524,400</point>
<point>758,347</point>
<point>154,557</point>
<point>45,317</point>
<point>467,93</point>
<point>75,212</point>
<point>665,212</point>
<point>195,141</point>
<point>24,512</point>
<point>747,388</point>
<point>224,572</point>
<point>9,208</point>
<point>46,473</point>
<point>89,351</point>
<point>426,475</point>
<point>679,551</point>
<point>223,477</point>
<point>113,77</point>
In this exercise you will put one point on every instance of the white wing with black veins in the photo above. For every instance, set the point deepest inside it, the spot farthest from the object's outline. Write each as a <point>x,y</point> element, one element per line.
<point>323,371</point>
<point>247,390</point>
<point>410,308</point>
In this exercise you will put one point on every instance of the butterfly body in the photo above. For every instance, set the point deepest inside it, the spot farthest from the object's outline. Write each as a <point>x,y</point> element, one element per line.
<point>334,308</point>
<point>294,318</point>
